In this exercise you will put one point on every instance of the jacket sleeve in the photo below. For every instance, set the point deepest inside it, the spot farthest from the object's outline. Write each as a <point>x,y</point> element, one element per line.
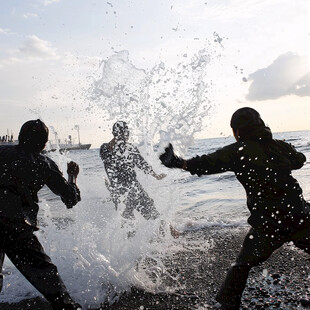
<point>219,161</point>
<point>69,192</point>
<point>141,163</point>
<point>297,159</point>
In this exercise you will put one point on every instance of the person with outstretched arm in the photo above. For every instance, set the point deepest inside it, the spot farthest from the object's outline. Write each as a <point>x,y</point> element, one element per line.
<point>23,172</point>
<point>120,158</point>
<point>278,211</point>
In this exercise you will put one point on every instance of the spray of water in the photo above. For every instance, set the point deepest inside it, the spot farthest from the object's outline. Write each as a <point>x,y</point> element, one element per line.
<point>94,255</point>
<point>163,104</point>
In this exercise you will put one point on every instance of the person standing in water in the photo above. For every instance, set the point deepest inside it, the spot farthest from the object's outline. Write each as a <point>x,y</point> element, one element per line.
<point>23,172</point>
<point>278,211</point>
<point>120,159</point>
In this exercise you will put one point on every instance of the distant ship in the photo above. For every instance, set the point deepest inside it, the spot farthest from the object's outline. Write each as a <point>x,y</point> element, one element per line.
<point>68,145</point>
<point>52,147</point>
<point>15,142</point>
<point>8,139</point>
<point>62,147</point>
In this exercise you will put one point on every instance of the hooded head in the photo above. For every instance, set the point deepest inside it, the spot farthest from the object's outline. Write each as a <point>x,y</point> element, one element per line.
<point>120,131</point>
<point>33,136</point>
<point>247,124</point>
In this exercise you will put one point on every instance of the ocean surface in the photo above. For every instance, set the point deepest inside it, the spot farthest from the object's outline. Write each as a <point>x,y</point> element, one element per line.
<point>89,243</point>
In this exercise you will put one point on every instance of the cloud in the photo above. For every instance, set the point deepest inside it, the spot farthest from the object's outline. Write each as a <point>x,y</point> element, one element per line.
<point>48,2</point>
<point>289,74</point>
<point>34,47</point>
<point>225,11</point>
<point>6,31</point>
<point>29,15</point>
<point>9,61</point>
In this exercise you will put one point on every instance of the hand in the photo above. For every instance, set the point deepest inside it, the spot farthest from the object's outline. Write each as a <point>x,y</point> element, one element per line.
<point>73,169</point>
<point>171,160</point>
<point>160,176</point>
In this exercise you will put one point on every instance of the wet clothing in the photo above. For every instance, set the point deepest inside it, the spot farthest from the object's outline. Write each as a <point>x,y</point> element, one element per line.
<point>26,252</point>
<point>257,247</point>
<point>120,162</point>
<point>263,166</point>
<point>22,175</point>
<point>278,212</point>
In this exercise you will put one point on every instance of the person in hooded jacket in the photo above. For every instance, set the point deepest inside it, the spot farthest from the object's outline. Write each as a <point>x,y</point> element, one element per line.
<point>120,159</point>
<point>278,211</point>
<point>23,172</point>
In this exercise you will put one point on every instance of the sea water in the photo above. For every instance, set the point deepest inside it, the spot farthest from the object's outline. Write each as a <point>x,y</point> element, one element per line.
<point>92,251</point>
<point>94,256</point>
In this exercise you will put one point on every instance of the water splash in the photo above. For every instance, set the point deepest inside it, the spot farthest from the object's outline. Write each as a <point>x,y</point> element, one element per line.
<point>93,254</point>
<point>160,105</point>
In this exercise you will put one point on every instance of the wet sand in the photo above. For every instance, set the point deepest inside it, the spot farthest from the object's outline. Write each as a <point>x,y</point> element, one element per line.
<point>277,284</point>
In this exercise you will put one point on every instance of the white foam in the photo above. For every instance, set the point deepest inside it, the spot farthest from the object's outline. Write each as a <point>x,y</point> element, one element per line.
<point>94,256</point>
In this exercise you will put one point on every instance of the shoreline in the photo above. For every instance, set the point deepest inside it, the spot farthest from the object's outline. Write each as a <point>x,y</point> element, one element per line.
<point>276,284</point>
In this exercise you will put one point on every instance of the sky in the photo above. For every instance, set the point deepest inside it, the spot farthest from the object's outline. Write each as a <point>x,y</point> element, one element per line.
<point>51,50</point>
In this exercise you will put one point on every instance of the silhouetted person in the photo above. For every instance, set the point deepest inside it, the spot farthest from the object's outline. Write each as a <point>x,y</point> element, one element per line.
<point>23,172</point>
<point>120,159</point>
<point>279,213</point>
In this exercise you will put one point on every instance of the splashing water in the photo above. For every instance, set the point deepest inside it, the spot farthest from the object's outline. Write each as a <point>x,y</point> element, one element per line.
<point>92,252</point>
<point>163,104</point>
<point>160,106</point>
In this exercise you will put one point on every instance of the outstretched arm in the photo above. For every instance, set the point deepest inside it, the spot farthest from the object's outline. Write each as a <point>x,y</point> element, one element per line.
<point>216,162</point>
<point>297,158</point>
<point>67,190</point>
<point>171,160</point>
<point>142,164</point>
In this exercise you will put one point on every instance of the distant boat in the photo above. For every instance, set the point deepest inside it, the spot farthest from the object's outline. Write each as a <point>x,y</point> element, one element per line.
<point>8,139</point>
<point>15,142</point>
<point>68,145</point>
<point>52,147</point>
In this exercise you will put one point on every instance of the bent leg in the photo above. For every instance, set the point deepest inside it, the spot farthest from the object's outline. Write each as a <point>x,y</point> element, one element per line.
<point>302,240</point>
<point>1,265</point>
<point>27,254</point>
<point>2,253</point>
<point>145,205</point>
<point>257,247</point>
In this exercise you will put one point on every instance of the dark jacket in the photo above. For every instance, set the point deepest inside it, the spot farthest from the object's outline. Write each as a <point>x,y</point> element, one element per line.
<point>120,162</point>
<point>263,166</point>
<point>22,175</point>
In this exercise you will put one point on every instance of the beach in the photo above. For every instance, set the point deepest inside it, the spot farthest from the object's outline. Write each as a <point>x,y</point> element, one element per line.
<point>276,284</point>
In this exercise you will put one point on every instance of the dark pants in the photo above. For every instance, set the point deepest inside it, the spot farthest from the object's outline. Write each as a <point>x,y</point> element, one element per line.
<point>257,247</point>
<point>138,199</point>
<point>26,252</point>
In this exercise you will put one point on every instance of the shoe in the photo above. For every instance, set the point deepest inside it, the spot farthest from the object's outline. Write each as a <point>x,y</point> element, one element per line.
<point>305,302</point>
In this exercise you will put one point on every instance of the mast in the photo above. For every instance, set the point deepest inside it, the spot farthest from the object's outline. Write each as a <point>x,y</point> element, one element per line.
<point>77,127</point>
<point>56,138</point>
